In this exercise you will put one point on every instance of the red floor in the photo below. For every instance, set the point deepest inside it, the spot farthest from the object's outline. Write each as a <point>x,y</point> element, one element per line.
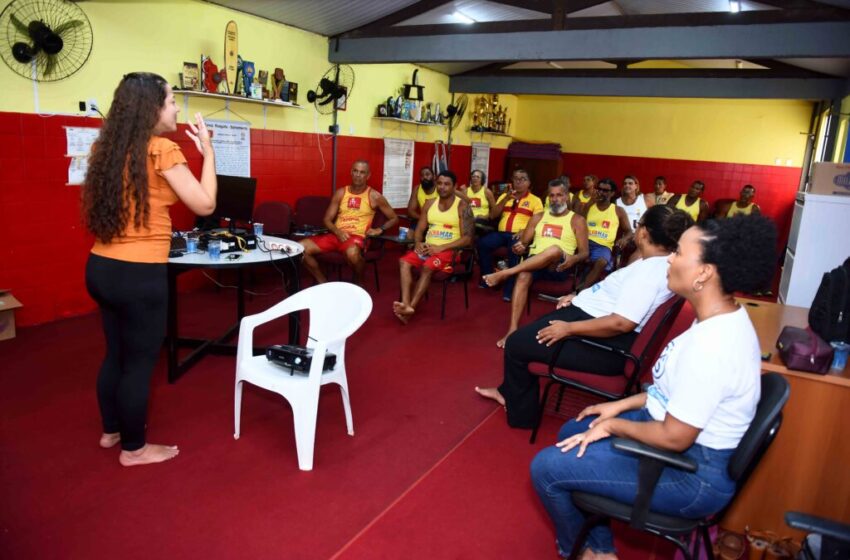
<point>432,472</point>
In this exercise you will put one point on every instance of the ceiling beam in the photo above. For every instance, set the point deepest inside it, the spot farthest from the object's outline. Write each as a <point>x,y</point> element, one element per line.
<point>826,14</point>
<point>780,40</point>
<point>399,16</point>
<point>738,88</point>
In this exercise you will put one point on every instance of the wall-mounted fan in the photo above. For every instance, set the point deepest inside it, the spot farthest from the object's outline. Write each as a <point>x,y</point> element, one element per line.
<point>332,94</point>
<point>454,115</point>
<point>44,40</point>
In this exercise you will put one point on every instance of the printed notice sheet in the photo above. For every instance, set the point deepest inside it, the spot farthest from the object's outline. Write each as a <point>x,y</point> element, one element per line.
<point>79,141</point>
<point>232,143</point>
<point>398,171</point>
<point>480,157</point>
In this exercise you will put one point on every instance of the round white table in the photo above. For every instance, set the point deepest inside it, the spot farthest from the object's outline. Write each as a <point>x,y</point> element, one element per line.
<point>285,255</point>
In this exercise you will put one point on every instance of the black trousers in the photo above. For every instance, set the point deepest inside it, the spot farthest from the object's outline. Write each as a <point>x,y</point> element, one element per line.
<point>521,389</point>
<point>133,300</point>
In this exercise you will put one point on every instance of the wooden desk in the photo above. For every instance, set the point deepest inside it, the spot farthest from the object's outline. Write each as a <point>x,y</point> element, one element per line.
<point>806,468</point>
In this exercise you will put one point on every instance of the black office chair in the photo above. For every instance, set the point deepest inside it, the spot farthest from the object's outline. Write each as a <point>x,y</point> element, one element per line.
<point>827,539</point>
<point>758,437</point>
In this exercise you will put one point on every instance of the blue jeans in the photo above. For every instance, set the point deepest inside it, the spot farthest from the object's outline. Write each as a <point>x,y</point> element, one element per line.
<point>487,245</point>
<point>608,472</point>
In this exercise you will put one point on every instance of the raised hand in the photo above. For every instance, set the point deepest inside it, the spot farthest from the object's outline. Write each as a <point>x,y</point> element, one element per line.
<point>200,135</point>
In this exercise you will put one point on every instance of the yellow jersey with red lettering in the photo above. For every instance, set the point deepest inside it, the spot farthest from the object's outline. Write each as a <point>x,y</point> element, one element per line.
<point>355,212</point>
<point>734,210</point>
<point>443,226</point>
<point>602,225</point>
<point>478,203</point>
<point>693,209</point>
<point>554,230</point>
<point>516,213</point>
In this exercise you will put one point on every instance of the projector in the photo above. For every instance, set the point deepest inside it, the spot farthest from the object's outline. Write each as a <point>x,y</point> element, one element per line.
<point>297,359</point>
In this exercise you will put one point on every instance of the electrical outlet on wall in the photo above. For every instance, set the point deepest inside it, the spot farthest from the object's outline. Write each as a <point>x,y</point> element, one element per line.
<point>89,107</point>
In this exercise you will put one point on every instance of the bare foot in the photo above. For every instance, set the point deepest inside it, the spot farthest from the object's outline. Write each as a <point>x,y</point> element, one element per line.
<point>109,440</point>
<point>494,278</point>
<point>149,454</point>
<point>501,342</point>
<point>491,393</point>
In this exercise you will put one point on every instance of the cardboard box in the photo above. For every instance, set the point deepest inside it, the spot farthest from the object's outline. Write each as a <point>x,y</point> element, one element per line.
<point>830,178</point>
<point>8,304</point>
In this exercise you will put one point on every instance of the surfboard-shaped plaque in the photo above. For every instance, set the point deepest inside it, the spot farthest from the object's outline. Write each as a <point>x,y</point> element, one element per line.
<point>231,51</point>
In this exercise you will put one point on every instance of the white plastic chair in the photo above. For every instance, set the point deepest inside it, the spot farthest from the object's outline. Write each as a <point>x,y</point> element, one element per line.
<point>337,310</point>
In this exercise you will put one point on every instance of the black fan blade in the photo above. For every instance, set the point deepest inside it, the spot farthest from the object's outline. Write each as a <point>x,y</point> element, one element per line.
<point>23,53</point>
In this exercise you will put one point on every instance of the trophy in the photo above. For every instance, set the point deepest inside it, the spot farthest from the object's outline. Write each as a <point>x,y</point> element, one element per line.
<point>190,77</point>
<point>247,77</point>
<point>277,82</point>
<point>263,80</point>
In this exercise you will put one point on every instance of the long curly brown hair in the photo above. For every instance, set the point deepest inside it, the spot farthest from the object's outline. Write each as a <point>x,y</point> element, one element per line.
<point>117,173</point>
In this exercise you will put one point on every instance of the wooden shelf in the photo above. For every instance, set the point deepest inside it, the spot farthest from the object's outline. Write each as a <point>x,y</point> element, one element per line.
<point>417,123</point>
<point>482,132</point>
<point>238,98</point>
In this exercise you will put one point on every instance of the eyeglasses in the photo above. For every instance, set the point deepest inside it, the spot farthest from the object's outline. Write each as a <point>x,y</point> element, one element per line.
<point>521,179</point>
<point>604,190</point>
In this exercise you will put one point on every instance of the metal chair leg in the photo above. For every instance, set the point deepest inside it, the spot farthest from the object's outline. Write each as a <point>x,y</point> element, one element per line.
<point>540,412</point>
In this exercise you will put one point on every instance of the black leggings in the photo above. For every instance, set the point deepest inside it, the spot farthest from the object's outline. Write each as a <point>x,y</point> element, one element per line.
<point>133,299</point>
<point>521,388</point>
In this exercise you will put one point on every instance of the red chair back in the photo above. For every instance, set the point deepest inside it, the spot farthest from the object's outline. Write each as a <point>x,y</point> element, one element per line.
<point>276,218</point>
<point>310,210</point>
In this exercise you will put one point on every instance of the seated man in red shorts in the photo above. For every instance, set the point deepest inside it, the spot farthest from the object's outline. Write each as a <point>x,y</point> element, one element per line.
<point>450,226</point>
<point>348,219</point>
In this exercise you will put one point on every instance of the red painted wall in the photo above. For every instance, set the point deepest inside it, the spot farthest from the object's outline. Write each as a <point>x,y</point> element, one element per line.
<point>776,187</point>
<point>45,248</point>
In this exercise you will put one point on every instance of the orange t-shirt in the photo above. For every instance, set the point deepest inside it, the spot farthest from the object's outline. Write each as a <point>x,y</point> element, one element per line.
<point>149,244</point>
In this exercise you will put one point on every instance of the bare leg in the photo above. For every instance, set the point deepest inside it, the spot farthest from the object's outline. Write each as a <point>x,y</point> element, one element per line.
<point>355,259</point>
<point>421,286</point>
<point>491,393</point>
<point>550,256</point>
<point>588,554</point>
<point>520,296</point>
<point>109,440</point>
<point>147,455</point>
<point>402,309</point>
<point>310,262</point>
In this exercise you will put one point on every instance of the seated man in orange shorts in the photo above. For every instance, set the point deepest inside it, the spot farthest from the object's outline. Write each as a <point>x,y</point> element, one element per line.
<point>348,219</point>
<point>450,226</point>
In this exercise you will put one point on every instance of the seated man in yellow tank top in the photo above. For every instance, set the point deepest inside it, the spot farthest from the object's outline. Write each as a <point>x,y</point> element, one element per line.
<point>450,226</point>
<point>605,223</point>
<point>586,195</point>
<point>423,192</point>
<point>744,204</point>
<point>691,202</point>
<point>560,242</point>
<point>479,197</point>
<point>349,219</point>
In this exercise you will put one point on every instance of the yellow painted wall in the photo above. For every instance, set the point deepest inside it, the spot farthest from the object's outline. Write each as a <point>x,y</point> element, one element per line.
<point>729,130</point>
<point>157,36</point>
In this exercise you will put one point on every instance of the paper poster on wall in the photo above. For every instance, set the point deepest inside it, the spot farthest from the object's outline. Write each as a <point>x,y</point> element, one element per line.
<point>398,171</point>
<point>232,143</point>
<point>79,141</point>
<point>480,157</point>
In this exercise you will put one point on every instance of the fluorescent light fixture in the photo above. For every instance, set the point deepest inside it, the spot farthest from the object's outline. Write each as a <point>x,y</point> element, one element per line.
<point>463,18</point>
<point>554,64</point>
<point>734,6</point>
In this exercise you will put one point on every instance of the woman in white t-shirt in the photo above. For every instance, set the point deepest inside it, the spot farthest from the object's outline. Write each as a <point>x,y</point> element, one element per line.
<point>706,386</point>
<point>613,310</point>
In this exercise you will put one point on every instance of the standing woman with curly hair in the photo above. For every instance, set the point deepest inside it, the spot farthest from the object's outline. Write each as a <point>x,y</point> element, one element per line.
<point>134,176</point>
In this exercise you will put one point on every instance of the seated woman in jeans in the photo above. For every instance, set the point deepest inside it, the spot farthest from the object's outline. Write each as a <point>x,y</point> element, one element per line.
<point>614,310</point>
<point>706,385</point>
